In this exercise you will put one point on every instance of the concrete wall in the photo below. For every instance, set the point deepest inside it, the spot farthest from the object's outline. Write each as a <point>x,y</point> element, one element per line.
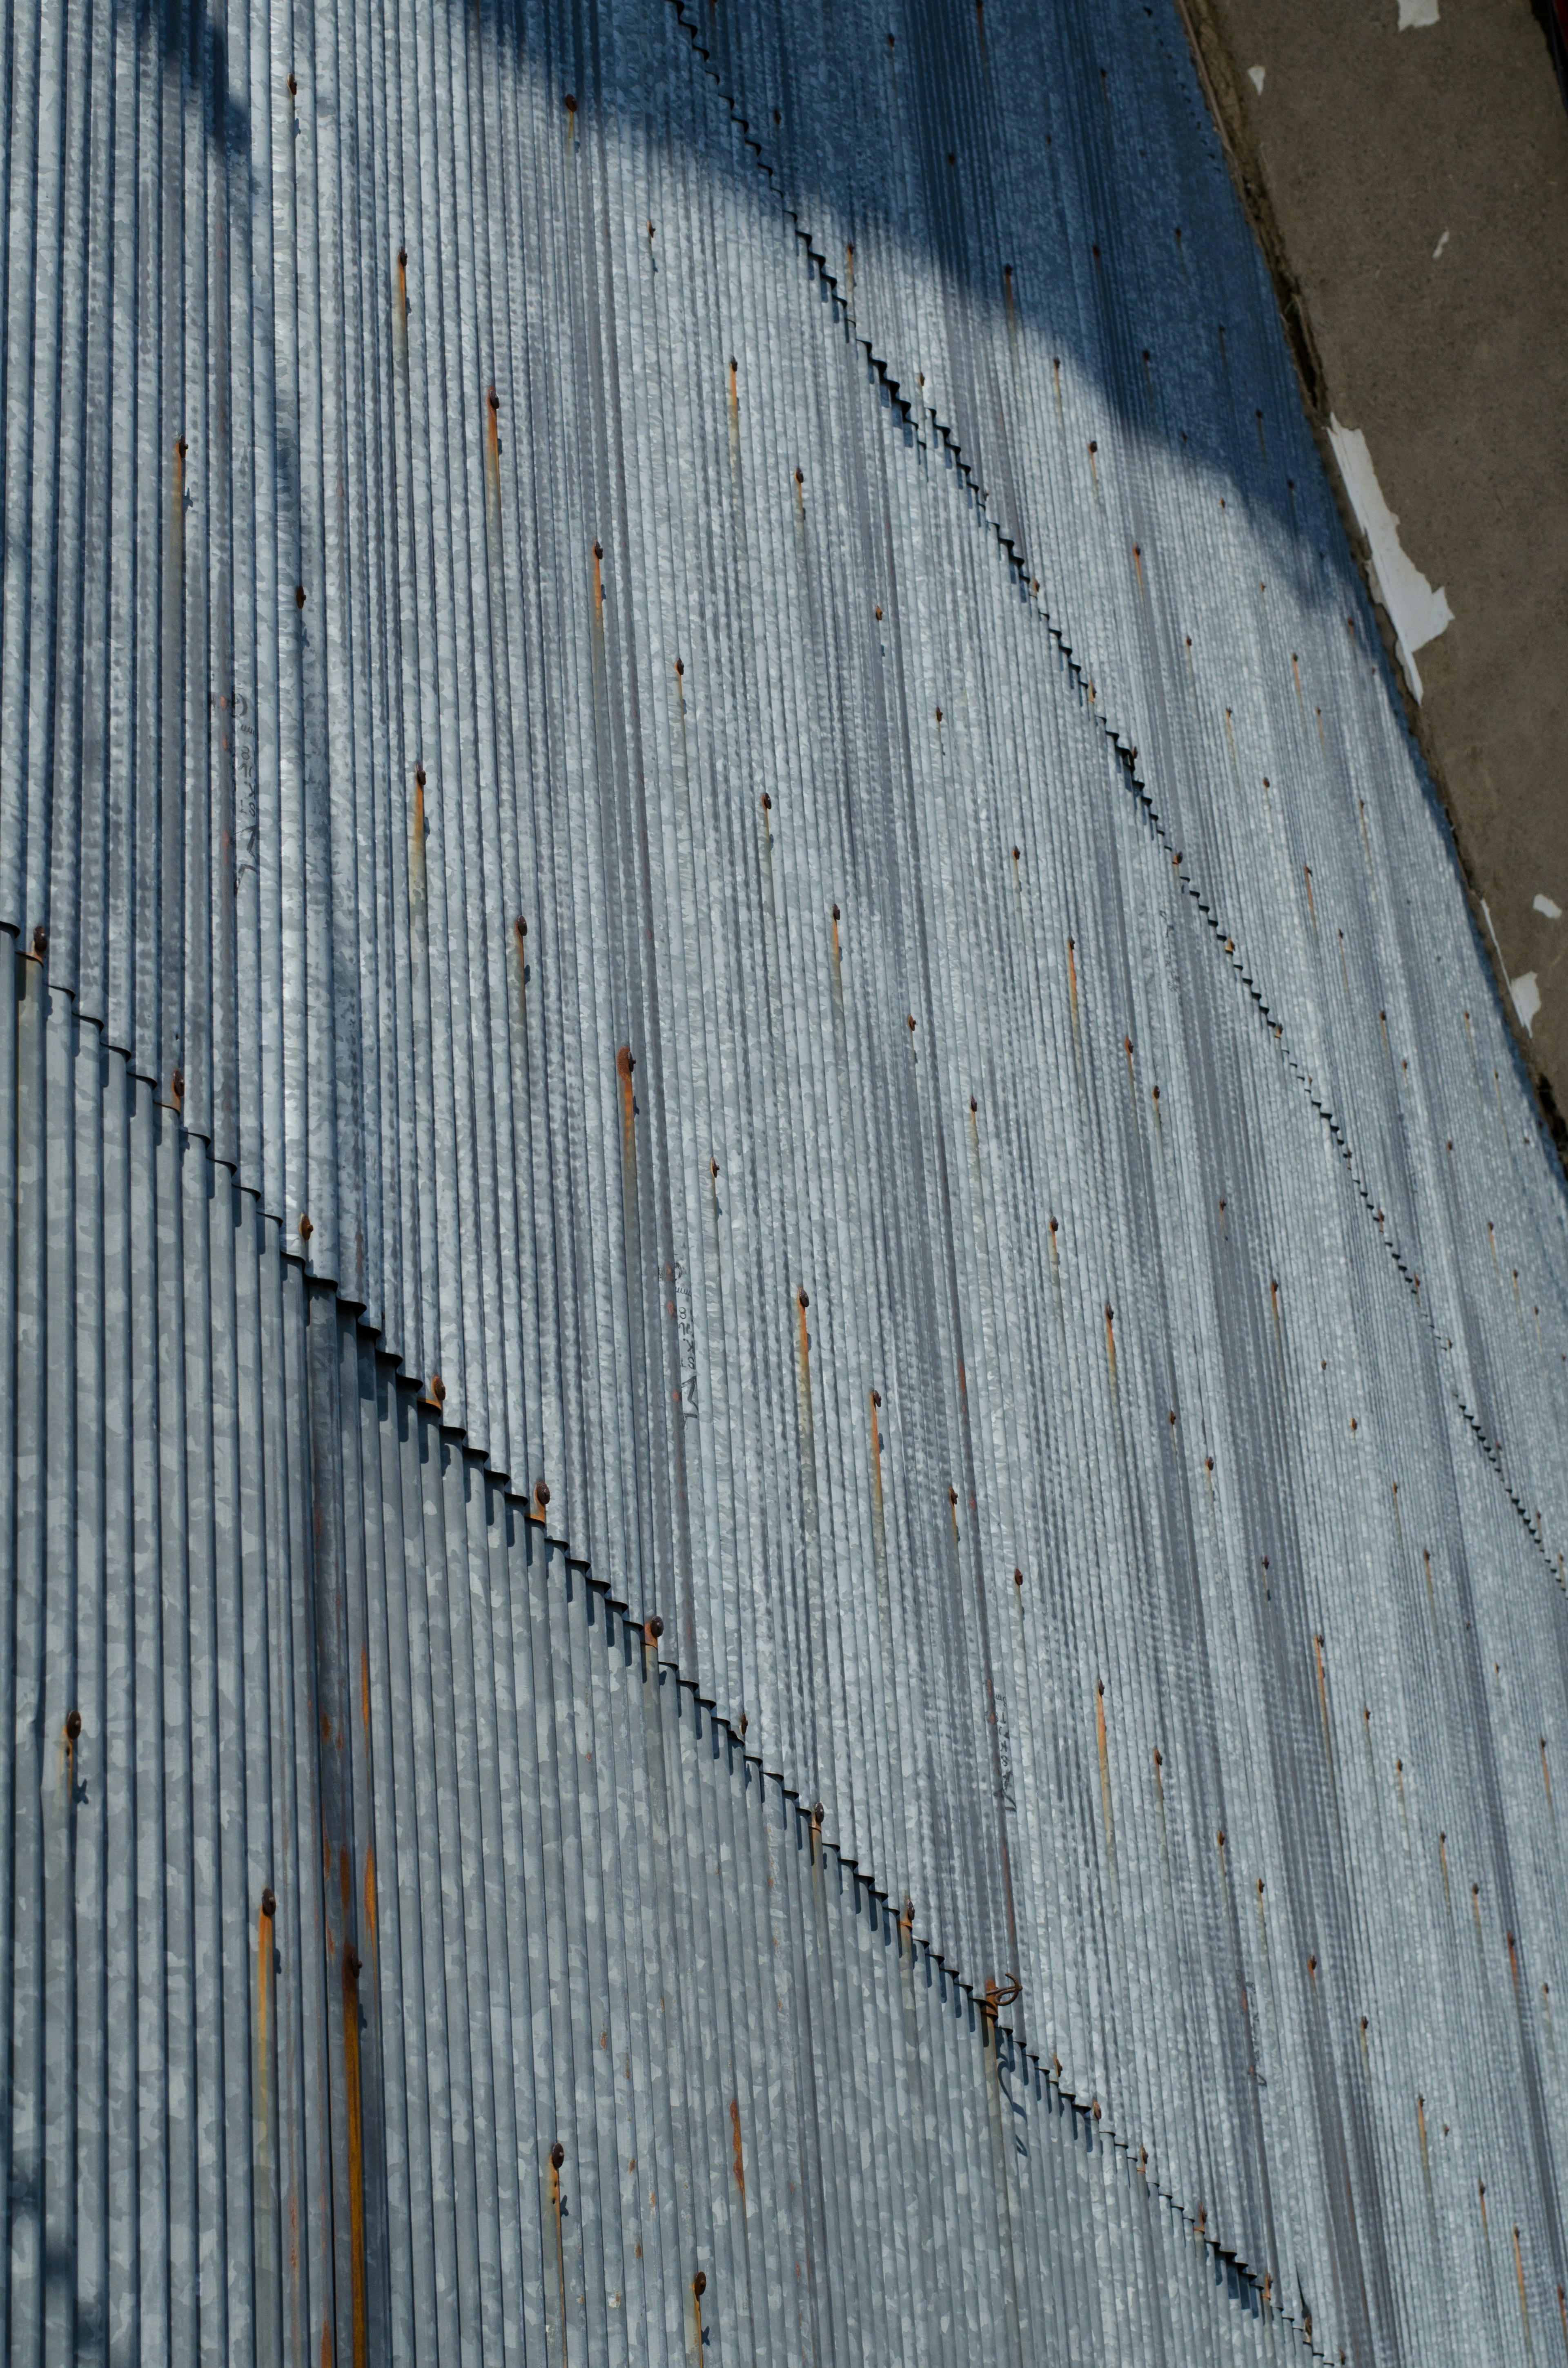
<point>1408,186</point>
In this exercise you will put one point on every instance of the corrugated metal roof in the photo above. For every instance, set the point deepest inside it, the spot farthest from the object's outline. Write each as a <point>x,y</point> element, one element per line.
<point>693,689</point>
<point>405,1964</point>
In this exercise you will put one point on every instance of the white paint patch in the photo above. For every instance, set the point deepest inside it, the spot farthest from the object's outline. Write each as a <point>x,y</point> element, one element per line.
<point>1417,12</point>
<point>1438,248</point>
<point>1525,989</point>
<point>1255,75</point>
<point>1544,905</point>
<point>1419,614</point>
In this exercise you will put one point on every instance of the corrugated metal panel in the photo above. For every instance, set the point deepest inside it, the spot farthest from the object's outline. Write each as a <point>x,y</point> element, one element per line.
<point>407,1964</point>
<point>1028,1255</point>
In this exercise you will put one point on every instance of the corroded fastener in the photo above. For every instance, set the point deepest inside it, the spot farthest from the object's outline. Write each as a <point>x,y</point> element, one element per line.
<point>520,928</point>
<point>352,1965</point>
<point>879,616</point>
<point>766,803</point>
<point>569,104</point>
<point>818,1813</point>
<point>800,1299</point>
<point>492,399</point>
<point>680,666</point>
<point>939,715</point>
<point>1018,1578</point>
<point>835,913</point>
<point>40,942</point>
<point>713,1170</point>
<point>73,1725</point>
<point>557,2155</point>
<point>800,477</point>
<point>653,1630</point>
<point>176,1087</point>
<point>541,1494</point>
<point>306,1228</point>
<point>299,596</point>
<point>268,1903</point>
<point>741,1724</point>
<point>438,1390</point>
<point>909,1017</point>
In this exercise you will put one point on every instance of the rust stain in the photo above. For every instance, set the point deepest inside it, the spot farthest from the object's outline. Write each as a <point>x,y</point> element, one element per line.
<point>416,845</point>
<point>1323,1695</point>
<point>1111,1338</point>
<point>1105,1765</point>
<point>1073,978</point>
<point>371,1899</point>
<point>356,2147</point>
<point>739,2162</point>
<point>1519,2274</point>
<point>598,583</point>
<point>874,1401</point>
<point>365,1689</point>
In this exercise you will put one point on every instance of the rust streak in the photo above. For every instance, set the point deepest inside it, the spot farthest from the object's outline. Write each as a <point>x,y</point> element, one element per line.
<point>356,2150</point>
<point>739,2161</point>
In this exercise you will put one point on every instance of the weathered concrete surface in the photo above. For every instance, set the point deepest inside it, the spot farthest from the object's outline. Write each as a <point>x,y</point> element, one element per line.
<point>1410,188</point>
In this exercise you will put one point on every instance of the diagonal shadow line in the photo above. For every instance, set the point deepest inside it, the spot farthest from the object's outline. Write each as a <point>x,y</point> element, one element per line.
<point>1128,756</point>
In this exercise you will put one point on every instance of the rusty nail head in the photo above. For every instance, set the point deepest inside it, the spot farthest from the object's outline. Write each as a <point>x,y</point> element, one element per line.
<point>766,803</point>
<point>419,777</point>
<point>74,1724</point>
<point>557,2155</point>
<point>939,715</point>
<point>352,1965</point>
<point>653,1629</point>
<point>699,2283</point>
<point>299,596</point>
<point>802,1299</point>
<point>1016,855</point>
<point>306,1228</point>
<point>568,102</point>
<point>910,1016</point>
<point>818,1813</point>
<point>1018,1578</point>
<point>836,914</point>
<point>41,941</point>
<point>402,257</point>
<point>541,1492</point>
<point>973,1105</point>
<point>879,616</point>
<point>800,477</point>
<point>680,667</point>
<point>437,1389</point>
<point>492,399</point>
<point>293,87</point>
<point>876,1397</point>
<point>598,551</point>
<point>268,1903</point>
<point>520,926</point>
<point>741,1724</point>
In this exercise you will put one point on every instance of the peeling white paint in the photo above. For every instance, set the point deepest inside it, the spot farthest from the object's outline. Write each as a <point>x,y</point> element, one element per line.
<point>1525,988</point>
<point>1438,248</point>
<point>1417,12</point>
<point>1544,905</point>
<point>1419,614</point>
<point>1255,75</point>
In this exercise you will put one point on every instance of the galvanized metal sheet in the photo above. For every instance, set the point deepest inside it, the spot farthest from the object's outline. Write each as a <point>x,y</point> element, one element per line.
<point>992,1193</point>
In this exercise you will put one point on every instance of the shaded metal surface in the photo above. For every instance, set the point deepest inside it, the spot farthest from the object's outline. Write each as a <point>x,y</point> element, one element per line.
<point>1026,1254</point>
<point>407,1965</point>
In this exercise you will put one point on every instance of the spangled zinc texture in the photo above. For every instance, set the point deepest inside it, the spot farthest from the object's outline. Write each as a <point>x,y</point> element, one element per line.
<point>689,685</point>
<point>403,1964</point>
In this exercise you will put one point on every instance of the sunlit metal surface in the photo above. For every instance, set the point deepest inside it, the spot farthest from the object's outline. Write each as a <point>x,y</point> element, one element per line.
<point>689,687</point>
